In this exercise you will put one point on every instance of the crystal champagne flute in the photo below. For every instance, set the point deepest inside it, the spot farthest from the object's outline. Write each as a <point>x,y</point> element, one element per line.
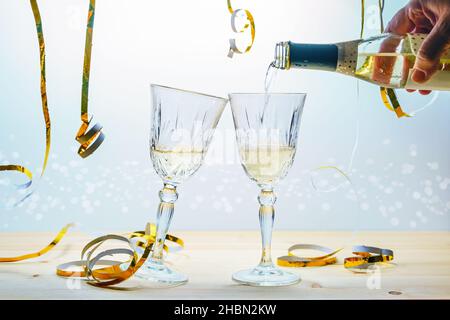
<point>183,125</point>
<point>266,127</point>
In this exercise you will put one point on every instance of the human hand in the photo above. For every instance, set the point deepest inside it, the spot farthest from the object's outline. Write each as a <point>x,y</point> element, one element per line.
<point>425,16</point>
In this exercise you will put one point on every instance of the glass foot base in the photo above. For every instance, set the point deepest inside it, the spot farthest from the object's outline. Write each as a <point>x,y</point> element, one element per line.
<point>266,276</point>
<point>158,273</point>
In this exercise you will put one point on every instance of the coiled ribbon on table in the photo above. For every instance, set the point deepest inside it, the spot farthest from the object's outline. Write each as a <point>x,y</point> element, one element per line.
<point>94,268</point>
<point>45,112</point>
<point>249,25</point>
<point>90,139</point>
<point>365,257</point>
<point>388,95</point>
<point>112,272</point>
<point>293,260</point>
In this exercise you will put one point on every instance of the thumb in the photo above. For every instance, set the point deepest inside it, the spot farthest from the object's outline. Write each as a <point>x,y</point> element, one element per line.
<point>427,62</point>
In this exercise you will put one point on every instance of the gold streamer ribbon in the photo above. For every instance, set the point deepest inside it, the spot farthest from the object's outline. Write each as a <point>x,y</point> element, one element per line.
<point>250,24</point>
<point>104,273</point>
<point>43,87</point>
<point>390,101</point>
<point>90,139</point>
<point>41,252</point>
<point>366,257</point>
<point>293,260</point>
<point>388,95</point>
<point>93,267</point>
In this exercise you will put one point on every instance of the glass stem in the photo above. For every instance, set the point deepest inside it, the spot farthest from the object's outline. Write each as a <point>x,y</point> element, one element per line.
<point>168,196</point>
<point>266,218</point>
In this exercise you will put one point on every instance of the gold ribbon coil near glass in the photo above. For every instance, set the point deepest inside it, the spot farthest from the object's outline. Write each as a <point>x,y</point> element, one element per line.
<point>43,86</point>
<point>90,139</point>
<point>249,25</point>
<point>98,271</point>
<point>103,273</point>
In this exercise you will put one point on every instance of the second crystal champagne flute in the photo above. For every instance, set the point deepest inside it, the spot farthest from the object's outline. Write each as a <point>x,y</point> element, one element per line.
<point>266,133</point>
<point>183,124</point>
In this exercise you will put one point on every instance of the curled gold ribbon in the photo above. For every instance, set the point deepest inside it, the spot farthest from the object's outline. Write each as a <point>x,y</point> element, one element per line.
<point>388,95</point>
<point>90,139</point>
<point>250,24</point>
<point>366,256</point>
<point>104,273</point>
<point>293,260</point>
<point>41,252</point>
<point>98,271</point>
<point>45,112</point>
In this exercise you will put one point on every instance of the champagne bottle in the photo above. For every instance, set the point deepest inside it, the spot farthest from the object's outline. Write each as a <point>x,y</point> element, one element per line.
<point>386,60</point>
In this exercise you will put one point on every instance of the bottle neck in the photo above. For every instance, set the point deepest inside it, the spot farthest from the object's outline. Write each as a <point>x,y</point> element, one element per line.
<point>306,56</point>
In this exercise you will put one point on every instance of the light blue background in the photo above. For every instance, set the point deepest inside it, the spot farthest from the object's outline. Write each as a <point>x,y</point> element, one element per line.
<point>400,173</point>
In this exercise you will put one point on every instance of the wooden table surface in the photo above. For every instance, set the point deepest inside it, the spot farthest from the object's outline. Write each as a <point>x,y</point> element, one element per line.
<point>422,268</point>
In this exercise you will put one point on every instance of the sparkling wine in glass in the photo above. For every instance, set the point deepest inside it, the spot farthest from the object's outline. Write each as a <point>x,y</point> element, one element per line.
<point>267,127</point>
<point>183,125</point>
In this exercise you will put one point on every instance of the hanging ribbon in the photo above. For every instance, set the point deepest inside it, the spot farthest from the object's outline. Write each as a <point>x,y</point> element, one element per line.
<point>90,139</point>
<point>43,87</point>
<point>249,25</point>
<point>390,101</point>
